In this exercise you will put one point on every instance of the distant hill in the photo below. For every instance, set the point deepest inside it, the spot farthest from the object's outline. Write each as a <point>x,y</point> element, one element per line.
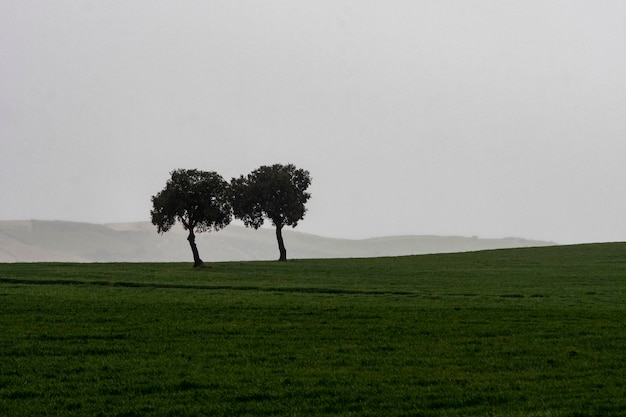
<point>59,241</point>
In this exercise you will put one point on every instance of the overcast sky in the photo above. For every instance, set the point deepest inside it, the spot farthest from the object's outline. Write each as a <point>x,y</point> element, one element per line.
<point>488,117</point>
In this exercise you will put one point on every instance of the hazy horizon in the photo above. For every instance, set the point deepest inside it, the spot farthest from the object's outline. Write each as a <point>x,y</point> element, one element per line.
<point>451,118</point>
<point>60,241</point>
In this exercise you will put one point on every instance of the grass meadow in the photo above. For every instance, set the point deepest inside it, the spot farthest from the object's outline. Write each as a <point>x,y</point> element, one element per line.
<point>521,332</point>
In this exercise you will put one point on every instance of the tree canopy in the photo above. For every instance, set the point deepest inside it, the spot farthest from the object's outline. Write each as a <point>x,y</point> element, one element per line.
<point>276,192</point>
<point>197,199</point>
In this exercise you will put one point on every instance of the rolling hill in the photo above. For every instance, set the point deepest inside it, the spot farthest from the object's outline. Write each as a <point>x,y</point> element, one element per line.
<point>61,241</point>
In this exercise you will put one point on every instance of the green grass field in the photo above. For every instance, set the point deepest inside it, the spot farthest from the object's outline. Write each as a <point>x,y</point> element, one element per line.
<point>523,332</point>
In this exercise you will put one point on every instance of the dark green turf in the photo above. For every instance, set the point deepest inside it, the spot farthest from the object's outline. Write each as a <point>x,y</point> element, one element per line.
<point>524,332</point>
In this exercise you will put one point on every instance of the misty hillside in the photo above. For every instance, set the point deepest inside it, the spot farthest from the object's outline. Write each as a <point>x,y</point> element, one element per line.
<point>44,241</point>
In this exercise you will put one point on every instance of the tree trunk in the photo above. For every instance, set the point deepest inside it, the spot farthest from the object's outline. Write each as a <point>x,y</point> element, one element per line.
<point>281,244</point>
<point>197,262</point>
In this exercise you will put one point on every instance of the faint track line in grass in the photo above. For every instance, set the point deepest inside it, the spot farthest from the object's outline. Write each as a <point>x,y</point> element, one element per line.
<point>125,284</point>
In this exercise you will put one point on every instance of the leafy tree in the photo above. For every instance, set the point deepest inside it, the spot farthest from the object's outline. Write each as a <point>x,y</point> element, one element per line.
<point>197,199</point>
<point>276,192</point>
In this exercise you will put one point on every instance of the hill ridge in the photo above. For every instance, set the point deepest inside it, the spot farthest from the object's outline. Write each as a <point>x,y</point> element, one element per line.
<point>67,241</point>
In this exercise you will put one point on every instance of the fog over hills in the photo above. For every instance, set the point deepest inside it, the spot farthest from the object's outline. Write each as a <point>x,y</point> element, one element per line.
<point>60,241</point>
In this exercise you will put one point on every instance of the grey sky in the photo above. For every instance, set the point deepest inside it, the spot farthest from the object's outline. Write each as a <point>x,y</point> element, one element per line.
<point>490,118</point>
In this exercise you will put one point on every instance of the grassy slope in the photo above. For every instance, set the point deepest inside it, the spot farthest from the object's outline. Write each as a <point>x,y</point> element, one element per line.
<point>535,331</point>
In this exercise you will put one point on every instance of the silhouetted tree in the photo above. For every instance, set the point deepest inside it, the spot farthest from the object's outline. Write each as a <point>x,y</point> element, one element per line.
<point>197,199</point>
<point>276,192</point>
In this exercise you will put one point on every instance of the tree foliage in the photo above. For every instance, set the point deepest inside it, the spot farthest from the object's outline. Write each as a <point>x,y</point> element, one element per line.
<point>276,192</point>
<point>197,199</point>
